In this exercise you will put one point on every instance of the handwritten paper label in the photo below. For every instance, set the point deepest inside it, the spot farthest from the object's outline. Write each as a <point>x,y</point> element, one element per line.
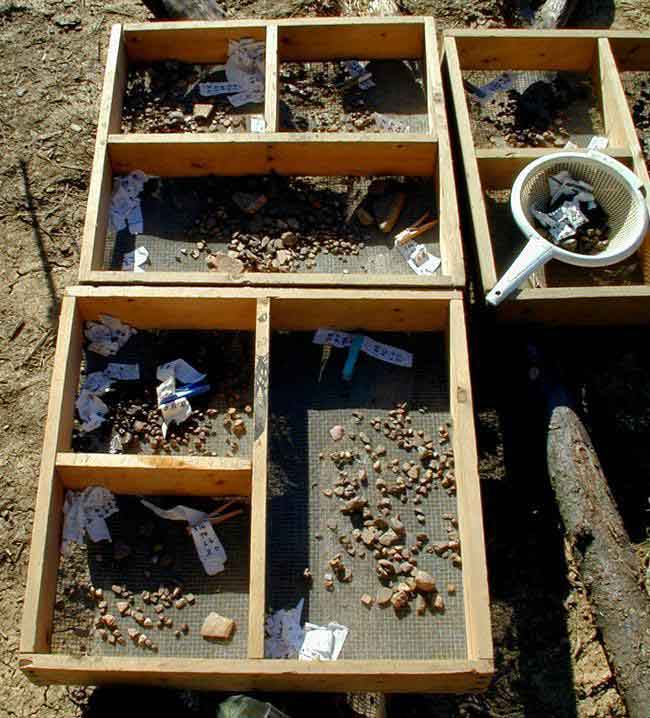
<point>375,349</point>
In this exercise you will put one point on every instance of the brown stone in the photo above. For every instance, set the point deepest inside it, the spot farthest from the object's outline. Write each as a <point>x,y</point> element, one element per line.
<point>384,595</point>
<point>220,262</point>
<point>367,600</point>
<point>424,582</point>
<point>217,626</point>
<point>420,605</point>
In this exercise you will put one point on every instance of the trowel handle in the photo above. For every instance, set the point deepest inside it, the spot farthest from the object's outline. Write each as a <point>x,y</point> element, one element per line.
<point>535,254</point>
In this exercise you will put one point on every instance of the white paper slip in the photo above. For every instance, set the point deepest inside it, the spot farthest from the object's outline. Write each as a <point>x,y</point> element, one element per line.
<point>209,89</point>
<point>86,512</point>
<point>180,370</point>
<point>166,389</point>
<point>123,372</point>
<point>418,258</point>
<point>386,353</point>
<point>388,124</point>
<point>208,547</point>
<point>175,412</point>
<point>91,409</point>
<point>243,98</point>
<point>323,643</point>
<point>97,383</point>
<point>598,143</point>
<point>257,123</point>
<point>136,260</point>
<point>375,349</point>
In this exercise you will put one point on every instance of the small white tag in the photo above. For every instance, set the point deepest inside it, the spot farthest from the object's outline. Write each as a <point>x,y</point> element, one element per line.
<point>375,349</point>
<point>181,370</point>
<point>419,259</point>
<point>208,547</point>
<point>257,123</point>
<point>209,89</point>
<point>135,261</point>
<point>598,143</point>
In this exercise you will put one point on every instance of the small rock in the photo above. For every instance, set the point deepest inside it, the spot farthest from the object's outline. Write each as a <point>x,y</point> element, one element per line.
<point>439,604</point>
<point>367,600</point>
<point>122,607</point>
<point>420,605</point>
<point>384,596</point>
<point>217,626</point>
<point>337,432</point>
<point>424,582</point>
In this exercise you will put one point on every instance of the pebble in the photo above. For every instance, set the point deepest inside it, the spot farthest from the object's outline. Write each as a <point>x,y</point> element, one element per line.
<point>367,600</point>
<point>337,432</point>
<point>420,605</point>
<point>424,582</point>
<point>384,595</point>
<point>217,626</point>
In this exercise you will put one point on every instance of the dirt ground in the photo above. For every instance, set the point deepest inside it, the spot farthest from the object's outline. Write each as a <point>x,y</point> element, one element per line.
<point>549,659</point>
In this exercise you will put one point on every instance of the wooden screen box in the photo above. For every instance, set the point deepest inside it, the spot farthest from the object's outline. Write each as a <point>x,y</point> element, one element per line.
<point>195,168</point>
<point>587,59</point>
<point>285,470</point>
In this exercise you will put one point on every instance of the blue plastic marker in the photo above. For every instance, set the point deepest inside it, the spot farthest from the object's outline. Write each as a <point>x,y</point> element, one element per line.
<point>187,391</point>
<point>353,355</point>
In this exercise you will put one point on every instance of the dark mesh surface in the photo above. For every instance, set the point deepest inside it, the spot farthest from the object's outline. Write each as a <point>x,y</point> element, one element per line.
<point>225,593</point>
<point>173,206</point>
<point>583,116</point>
<point>398,94</point>
<point>303,411</point>
<point>225,356</point>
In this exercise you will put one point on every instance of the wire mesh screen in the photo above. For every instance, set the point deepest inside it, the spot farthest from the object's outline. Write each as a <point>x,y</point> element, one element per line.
<point>301,517</point>
<point>225,356</point>
<point>180,213</point>
<point>158,552</point>
<point>580,116</point>
<point>315,96</point>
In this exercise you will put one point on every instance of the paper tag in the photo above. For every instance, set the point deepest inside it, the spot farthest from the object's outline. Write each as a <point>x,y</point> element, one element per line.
<point>166,389</point>
<point>333,338</point>
<point>373,348</point>
<point>175,412</point>
<point>97,383</point>
<point>323,643</point>
<point>257,123</point>
<point>136,260</point>
<point>209,89</point>
<point>86,512</point>
<point>123,372</point>
<point>91,409</point>
<point>419,259</point>
<point>208,547</point>
<point>598,143</point>
<point>181,370</point>
<point>243,98</point>
<point>387,353</point>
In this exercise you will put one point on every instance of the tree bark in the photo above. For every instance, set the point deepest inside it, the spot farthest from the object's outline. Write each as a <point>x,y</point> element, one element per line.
<point>605,557</point>
<point>185,9</point>
<point>554,13</point>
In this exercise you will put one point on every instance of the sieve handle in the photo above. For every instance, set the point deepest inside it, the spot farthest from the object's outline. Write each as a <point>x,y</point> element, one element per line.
<point>535,254</point>
<point>618,167</point>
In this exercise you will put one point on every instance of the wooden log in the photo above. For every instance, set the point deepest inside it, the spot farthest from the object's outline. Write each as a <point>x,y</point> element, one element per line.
<point>185,9</point>
<point>554,13</point>
<point>604,555</point>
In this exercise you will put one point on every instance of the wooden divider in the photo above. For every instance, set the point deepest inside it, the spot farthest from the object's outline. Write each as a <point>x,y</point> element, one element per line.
<point>257,592</point>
